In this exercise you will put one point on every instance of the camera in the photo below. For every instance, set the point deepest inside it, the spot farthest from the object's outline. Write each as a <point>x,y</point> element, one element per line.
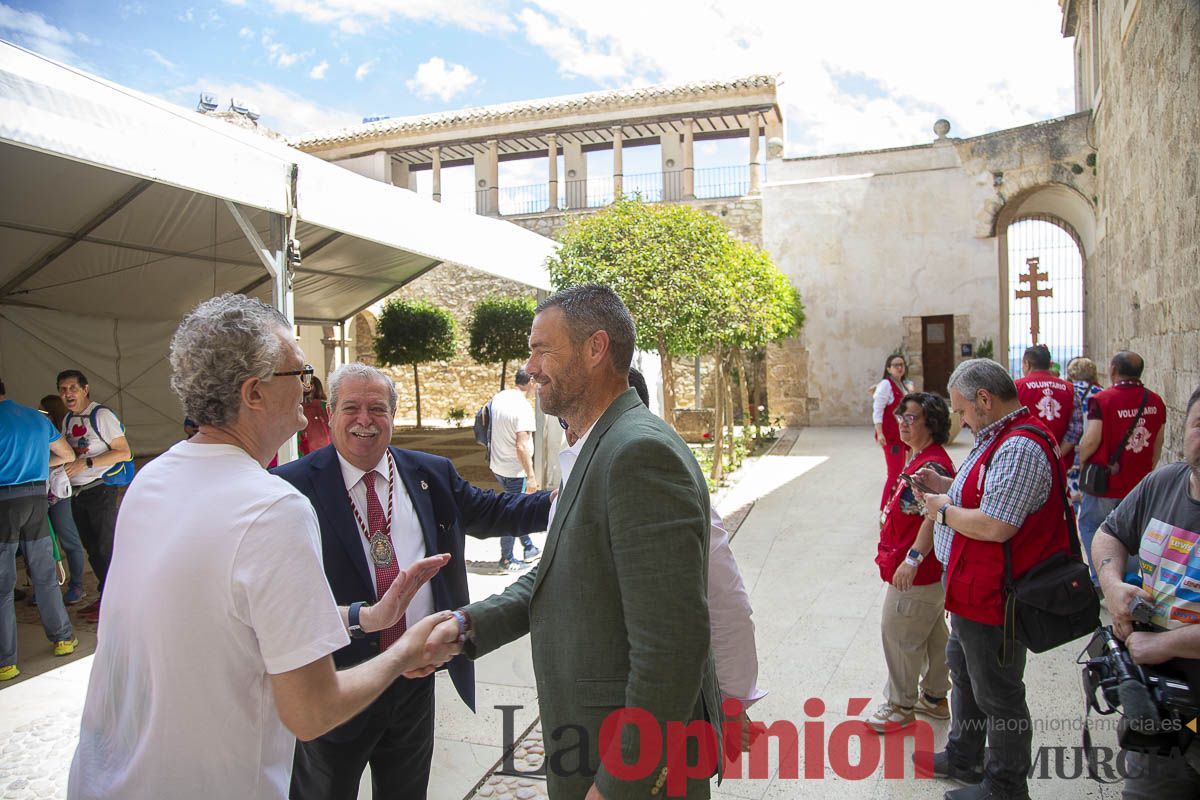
<point>1156,708</point>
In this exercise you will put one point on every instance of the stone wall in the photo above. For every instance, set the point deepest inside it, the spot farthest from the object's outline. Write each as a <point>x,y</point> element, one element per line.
<point>460,382</point>
<point>1144,280</point>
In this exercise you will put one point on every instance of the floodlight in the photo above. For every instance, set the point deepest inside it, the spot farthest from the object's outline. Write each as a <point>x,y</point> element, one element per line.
<point>252,112</point>
<point>208,102</point>
<point>237,106</point>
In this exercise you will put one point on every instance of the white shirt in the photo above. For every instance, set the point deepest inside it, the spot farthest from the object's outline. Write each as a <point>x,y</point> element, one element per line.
<point>407,539</point>
<point>729,609</point>
<point>511,414</point>
<point>216,584</point>
<point>88,442</point>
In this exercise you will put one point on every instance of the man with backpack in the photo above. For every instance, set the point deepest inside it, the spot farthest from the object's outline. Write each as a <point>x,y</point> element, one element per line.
<point>509,427</point>
<point>98,439</point>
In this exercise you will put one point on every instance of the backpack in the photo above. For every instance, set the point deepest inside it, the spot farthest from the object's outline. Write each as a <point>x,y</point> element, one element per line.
<point>483,428</point>
<point>120,474</point>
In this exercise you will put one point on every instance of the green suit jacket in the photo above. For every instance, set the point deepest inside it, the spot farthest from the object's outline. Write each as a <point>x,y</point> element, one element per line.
<point>617,609</point>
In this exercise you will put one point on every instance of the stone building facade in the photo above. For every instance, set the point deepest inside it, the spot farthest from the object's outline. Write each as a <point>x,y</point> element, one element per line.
<point>1138,71</point>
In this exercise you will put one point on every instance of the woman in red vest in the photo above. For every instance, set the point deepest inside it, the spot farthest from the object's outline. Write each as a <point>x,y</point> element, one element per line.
<point>316,435</point>
<point>888,394</point>
<point>913,625</point>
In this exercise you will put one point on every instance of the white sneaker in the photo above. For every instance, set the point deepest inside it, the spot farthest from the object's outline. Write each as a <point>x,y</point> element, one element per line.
<point>938,710</point>
<point>890,717</point>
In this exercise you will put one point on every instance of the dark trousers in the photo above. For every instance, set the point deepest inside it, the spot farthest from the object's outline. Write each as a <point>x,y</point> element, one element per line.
<point>95,512</point>
<point>395,736</point>
<point>988,706</point>
<point>506,542</point>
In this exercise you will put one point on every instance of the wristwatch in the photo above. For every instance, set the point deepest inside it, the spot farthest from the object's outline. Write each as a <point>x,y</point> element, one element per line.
<point>356,631</point>
<point>941,514</point>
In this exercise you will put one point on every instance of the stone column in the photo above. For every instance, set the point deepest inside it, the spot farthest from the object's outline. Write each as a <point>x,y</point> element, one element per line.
<point>552,155</point>
<point>575,162</point>
<point>487,175</point>
<point>403,177</point>
<point>672,166</point>
<point>618,161</point>
<point>755,127</point>
<point>437,173</point>
<point>689,167</point>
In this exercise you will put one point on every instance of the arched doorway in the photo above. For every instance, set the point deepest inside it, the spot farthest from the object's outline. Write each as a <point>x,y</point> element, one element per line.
<point>1057,225</point>
<point>364,337</point>
<point>1045,273</point>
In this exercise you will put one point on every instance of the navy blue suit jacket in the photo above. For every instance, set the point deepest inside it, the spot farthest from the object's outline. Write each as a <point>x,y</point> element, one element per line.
<point>447,506</point>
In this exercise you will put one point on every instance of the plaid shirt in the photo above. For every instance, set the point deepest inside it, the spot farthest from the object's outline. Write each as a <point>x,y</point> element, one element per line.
<point>1017,482</point>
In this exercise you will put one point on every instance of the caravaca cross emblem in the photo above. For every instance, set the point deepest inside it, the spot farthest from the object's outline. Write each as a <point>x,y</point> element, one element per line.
<point>1049,408</point>
<point>1140,439</point>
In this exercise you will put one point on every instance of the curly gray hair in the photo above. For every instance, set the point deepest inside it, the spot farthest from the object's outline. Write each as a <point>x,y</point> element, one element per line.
<point>219,345</point>
<point>355,369</point>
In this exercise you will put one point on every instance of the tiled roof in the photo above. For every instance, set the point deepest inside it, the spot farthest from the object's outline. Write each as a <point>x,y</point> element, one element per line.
<point>528,109</point>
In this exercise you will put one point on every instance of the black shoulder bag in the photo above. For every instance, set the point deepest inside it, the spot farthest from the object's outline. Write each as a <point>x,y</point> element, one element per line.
<point>1053,602</point>
<point>1093,478</point>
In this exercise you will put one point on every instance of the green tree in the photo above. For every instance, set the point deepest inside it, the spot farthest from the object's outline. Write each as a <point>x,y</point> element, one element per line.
<point>499,331</point>
<point>414,332</point>
<point>660,259</point>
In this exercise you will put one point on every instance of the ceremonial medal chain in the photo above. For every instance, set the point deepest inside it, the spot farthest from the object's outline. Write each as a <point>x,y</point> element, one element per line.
<point>379,542</point>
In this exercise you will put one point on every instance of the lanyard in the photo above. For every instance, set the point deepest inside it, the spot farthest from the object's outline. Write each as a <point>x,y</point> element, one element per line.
<point>366,531</point>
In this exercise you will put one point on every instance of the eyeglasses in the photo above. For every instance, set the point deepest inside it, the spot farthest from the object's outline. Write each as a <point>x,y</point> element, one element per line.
<point>909,418</point>
<point>306,375</point>
<point>896,364</point>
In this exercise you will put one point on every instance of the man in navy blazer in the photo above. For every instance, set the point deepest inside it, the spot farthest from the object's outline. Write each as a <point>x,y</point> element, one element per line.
<point>395,733</point>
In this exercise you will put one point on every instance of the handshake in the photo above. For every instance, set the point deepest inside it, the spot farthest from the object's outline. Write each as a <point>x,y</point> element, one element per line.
<point>427,644</point>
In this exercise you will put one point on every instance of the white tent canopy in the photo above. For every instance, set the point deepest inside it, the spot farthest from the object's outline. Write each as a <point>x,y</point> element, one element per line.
<point>121,212</point>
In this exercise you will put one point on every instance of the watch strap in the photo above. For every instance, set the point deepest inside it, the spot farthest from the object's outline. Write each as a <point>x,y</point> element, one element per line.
<point>356,631</point>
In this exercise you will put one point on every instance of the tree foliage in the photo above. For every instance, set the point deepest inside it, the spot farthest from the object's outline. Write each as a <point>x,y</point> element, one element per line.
<point>499,331</point>
<point>413,332</point>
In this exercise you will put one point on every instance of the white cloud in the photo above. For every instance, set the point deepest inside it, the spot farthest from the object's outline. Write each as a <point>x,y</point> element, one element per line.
<point>160,59</point>
<point>246,33</point>
<point>317,73</point>
<point>278,54</point>
<point>282,110</point>
<point>357,16</point>
<point>436,78</point>
<point>843,85</point>
<point>364,69</point>
<point>30,30</point>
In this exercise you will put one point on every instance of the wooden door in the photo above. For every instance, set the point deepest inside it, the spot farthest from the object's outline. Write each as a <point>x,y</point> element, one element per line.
<point>937,352</point>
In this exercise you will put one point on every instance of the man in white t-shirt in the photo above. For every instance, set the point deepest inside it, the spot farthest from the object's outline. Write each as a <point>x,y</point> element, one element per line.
<point>98,439</point>
<point>512,456</point>
<point>214,654</point>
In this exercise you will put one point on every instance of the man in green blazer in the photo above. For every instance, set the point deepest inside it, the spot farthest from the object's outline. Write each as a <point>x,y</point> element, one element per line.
<point>617,609</point>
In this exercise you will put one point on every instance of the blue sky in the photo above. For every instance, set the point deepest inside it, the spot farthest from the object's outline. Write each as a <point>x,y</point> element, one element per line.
<point>874,73</point>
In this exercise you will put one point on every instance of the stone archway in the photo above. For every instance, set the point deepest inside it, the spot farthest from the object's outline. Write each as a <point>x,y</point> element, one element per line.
<point>1057,204</point>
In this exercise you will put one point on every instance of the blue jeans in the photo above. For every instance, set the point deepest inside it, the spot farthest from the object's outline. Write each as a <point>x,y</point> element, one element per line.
<point>507,542</point>
<point>1092,513</point>
<point>68,540</point>
<point>988,706</point>
<point>25,521</point>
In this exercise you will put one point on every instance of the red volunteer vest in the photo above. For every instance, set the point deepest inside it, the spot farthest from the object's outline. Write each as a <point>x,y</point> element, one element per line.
<point>1118,406</point>
<point>1049,399</point>
<point>975,572</point>
<point>891,429</point>
<point>900,530</point>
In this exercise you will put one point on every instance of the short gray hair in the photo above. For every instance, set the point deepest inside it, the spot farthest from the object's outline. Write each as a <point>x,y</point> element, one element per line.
<point>982,373</point>
<point>220,345</point>
<point>590,307</point>
<point>356,369</point>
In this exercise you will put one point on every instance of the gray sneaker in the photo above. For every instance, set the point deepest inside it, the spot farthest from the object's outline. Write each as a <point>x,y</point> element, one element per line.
<point>514,565</point>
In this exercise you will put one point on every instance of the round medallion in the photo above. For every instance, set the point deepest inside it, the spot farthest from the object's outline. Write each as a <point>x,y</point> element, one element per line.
<point>381,550</point>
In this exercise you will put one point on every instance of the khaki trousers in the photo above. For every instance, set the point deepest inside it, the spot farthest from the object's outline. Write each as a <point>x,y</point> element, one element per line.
<point>914,642</point>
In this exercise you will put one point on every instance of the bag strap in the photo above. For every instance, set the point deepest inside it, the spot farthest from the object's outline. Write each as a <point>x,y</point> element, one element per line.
<point>1116,456</point>
<point>96,427</point>
<point>1089,752</point>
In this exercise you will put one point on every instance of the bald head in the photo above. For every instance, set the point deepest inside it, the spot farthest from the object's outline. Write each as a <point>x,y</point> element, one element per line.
<point>1127,365</point>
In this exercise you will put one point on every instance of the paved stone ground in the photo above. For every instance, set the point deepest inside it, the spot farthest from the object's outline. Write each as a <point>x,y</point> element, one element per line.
<point>806,549</point>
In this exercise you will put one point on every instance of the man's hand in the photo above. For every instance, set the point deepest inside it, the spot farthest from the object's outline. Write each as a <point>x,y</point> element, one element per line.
<point>594,794</point>
<point>437,645</point>
<point>395,600</point>
<point>1118,595</point>
<point>1146,647</point>
<point>531,486</point>
<point>933,479</point>
<point>75,467</point>
<point>903,577</point>
<point>933,502</point>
